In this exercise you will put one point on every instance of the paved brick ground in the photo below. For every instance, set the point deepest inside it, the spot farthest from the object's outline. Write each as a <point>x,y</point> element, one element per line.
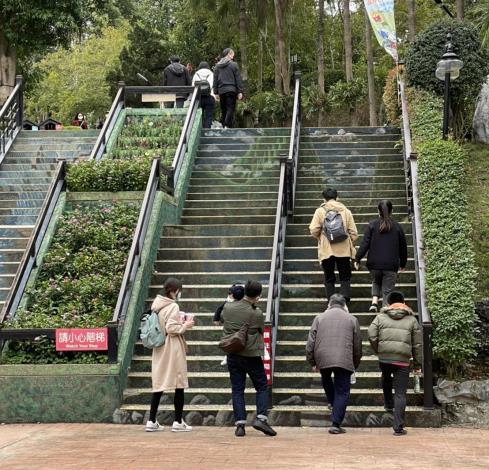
<point>98,446</point>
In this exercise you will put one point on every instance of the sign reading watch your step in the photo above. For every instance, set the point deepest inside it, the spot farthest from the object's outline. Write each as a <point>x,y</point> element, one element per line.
<point>81,339</point>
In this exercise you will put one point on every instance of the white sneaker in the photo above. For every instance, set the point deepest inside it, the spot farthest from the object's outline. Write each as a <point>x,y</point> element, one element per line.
<point>152,427</point>
<point>224,362</point>
<point>181,427</point>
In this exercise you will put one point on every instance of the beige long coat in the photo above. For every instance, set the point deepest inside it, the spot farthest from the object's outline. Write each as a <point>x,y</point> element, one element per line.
<point>344,249</point>
<point>169,362</point>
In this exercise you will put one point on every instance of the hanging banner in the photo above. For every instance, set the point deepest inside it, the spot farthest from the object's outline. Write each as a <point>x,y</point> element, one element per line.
<point>381,15</point>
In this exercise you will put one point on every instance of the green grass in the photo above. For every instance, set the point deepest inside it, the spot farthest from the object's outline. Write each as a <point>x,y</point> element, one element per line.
<point>478,198</point>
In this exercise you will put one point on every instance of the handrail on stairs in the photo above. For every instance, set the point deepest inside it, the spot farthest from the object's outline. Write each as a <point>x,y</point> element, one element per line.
<point>285,210</point>
<point>119,104</point>
<point>411,171</point>
<point>11,117</point>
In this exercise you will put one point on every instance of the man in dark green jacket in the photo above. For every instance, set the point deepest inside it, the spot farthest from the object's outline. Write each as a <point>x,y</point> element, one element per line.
<point>395,336</point>
<point>249,360</point>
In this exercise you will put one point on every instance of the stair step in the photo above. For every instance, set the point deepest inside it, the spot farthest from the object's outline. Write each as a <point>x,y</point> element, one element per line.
<point>214,266</point>
<point>199,242</point>
<point>243,195</point>
<point>219,230</point>
<point>220,219</point>
<point>240,276</point>
<point>244,132</point>
<point>360,130</point>
<point>219,253</point>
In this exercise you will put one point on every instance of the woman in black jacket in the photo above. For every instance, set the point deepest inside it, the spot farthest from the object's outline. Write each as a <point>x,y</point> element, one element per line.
<point>385,242</point>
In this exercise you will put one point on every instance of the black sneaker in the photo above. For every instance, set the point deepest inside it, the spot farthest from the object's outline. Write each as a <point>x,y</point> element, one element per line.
<point>374,308</point>
<point>400,432</point>
<point>336,430</point>
<point>264,427</point>
<point>240,430</point>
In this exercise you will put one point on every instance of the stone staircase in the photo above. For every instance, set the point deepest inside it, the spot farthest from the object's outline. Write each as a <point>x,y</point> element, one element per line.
<point>364,165</point>
<point>225,236</point>
<point>25,175</point>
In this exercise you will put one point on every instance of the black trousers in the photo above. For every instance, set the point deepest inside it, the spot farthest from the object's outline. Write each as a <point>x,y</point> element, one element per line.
<point>344,270</point>
<point>179,103</point>
<point>228,107</point>
<point>383,283</point>
<point>178,402</point>
<point>207,103</point>
<point>396,377</point>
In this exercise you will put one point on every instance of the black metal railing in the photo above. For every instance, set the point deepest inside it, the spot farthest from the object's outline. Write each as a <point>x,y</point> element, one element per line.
<point>285,210</point>
<point>411,171</point>
<point>134,259</point>
<point>119,104</point>
<point>28,263</point>
<point>11,117</point>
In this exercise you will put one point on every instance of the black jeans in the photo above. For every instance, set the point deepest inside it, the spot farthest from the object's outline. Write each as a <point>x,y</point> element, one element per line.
<point>228,106</point>
<point>383,283</point>
<point>178,402</point>
<point>207,103</point>
<point>344,270</point>
<point>238,367</point>
<point>397,377</point>
<point>337,391</point>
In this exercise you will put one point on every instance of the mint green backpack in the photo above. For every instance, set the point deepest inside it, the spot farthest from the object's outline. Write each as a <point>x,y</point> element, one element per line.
<point>150,332</point>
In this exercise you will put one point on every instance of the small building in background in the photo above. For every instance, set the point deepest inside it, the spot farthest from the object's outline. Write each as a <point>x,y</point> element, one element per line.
<point>50,124</point>
<point>30,125</point>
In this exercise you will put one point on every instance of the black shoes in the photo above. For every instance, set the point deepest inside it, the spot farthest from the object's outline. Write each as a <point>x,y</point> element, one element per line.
<point>240,430</point>
<point>336,430</point>
<point>400,432</point>
<point>264,427</point>
<point>374,308</point>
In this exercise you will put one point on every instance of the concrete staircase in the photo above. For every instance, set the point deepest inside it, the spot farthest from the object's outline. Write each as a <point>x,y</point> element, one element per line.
<point>25,175</point>
<point>364,165</point>
<point>225,236</point>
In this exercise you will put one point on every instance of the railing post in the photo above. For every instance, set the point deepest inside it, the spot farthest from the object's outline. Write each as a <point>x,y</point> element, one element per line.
<point>20,100</point>
<point>122,84</point>
<point>427,367</point>
<point>112,343</point>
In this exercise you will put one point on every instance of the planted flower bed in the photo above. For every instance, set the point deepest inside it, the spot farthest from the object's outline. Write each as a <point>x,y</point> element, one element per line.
<point>78,282</point>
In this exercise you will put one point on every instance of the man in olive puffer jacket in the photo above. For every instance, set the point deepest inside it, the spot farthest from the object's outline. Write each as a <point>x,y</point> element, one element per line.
<point>395,336</point>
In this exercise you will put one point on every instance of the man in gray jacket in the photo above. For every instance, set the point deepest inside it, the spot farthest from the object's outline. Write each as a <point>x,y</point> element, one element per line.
<point>334,347</point>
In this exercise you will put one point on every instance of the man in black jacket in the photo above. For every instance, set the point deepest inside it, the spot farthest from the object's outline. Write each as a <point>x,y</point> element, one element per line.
<point>176,74</point>
<point>227,86</point>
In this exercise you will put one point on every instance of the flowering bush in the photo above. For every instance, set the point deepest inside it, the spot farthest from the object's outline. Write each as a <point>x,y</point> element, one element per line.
<point>79,280</point>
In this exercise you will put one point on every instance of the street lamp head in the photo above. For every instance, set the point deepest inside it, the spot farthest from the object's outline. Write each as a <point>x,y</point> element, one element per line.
<point>449,63</point>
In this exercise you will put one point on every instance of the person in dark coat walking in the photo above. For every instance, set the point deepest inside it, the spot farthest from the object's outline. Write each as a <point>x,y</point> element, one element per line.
<point>228,86</point>
<point>334,347</point>
<point>395,337</point>
<point>176,74</point>
<point>385,242</point>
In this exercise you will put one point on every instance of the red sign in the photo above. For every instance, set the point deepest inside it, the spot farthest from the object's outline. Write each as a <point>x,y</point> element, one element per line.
<point>267,360</point>
<point>81,339</point>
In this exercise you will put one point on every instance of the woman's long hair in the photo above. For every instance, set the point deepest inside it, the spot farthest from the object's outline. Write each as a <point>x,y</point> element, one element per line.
<point>385,212</point>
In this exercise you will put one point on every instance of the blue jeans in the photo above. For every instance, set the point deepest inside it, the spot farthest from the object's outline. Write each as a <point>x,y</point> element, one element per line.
<point>337,391</point>
<point>238,367</point>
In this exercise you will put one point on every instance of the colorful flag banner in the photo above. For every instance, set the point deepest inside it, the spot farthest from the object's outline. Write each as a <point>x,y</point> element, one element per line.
<point>381,15</point>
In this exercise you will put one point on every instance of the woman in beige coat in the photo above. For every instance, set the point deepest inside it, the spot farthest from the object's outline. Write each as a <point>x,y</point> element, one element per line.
<point>169,362</point>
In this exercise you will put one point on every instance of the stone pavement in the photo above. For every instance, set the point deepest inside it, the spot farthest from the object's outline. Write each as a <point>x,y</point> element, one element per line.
<point>107,446</point>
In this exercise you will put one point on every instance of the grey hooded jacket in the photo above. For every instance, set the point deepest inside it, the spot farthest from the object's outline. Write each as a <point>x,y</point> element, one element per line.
<point>227,78</point>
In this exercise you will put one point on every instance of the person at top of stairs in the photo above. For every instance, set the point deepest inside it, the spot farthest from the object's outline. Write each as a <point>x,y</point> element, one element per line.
<point>334,346</point>
<point>169,362</point>
<point>395,336</point>
<point>385,242</point>
<point>248,361</point>
<point>334,228</point>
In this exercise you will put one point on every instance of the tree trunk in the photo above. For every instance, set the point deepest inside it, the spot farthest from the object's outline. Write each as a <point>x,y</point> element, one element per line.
<point>347,41</point>
<point>280,7</point>
<point>262,24</point>
<point>411,20</point>
<point>278,78</point>
<point>460,9</point>
<point>370,72</point>
<point>320,46</point>
<point>243,20</point>
<point>8,62</point>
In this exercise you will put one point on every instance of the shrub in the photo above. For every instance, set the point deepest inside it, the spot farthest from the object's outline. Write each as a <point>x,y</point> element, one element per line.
<point>450,271</point>
<point>425,115</point>
<point>390,99</point>
<point>78,283</point>
<point>427,50</point>
<point>109,175</point>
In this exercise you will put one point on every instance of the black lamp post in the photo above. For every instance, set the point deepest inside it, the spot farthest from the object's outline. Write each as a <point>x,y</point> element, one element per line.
<point>448,69</point>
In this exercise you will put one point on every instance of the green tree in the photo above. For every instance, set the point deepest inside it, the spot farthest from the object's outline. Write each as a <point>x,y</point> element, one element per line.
<point>74,79</point>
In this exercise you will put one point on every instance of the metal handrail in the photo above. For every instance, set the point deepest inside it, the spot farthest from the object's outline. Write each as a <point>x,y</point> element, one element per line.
<point>11,117</point>
<point>285,209</point>
<point>134,259</point>
<point>181,150</point>
<point>28,261</point>
<point>411,168</point>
